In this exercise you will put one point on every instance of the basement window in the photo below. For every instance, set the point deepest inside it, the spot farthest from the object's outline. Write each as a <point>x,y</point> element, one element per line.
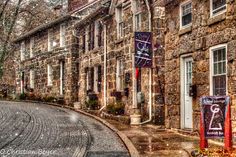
<point>218,7</point>
<point>186,14</point>
<point>219,70</point>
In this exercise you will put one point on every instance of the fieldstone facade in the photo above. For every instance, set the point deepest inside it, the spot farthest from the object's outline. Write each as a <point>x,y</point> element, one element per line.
<point>93,49</point>
<point>208,32</point>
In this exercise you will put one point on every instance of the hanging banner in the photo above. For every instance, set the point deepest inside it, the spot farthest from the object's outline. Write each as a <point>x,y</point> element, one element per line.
<point>143,49</point>
<point>214,110</point>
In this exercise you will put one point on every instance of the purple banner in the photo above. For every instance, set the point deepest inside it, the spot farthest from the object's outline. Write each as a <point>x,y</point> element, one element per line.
<point>214,110</point>
<point>143,49</point>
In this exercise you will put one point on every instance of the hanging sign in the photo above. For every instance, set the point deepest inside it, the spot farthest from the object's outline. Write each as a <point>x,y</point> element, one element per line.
<point>215,120</point>
<point>143,49</point>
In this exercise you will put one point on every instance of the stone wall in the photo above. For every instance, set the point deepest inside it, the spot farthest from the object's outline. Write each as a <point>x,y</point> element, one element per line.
<point>196,42</point>
<point>43,57</point>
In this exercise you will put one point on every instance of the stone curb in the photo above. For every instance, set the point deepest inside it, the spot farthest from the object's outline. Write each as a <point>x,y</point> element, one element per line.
<point>129,145</point>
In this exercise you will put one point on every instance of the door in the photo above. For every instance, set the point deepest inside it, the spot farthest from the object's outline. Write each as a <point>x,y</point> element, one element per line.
<point>187,99</point>
<point>62,65</point>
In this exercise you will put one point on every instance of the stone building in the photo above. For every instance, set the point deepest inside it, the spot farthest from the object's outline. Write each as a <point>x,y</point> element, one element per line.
<point>90,50</point>
<point>199,52</point>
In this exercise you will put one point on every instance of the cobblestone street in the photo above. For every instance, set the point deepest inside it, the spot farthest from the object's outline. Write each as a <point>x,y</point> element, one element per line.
<point>28,129</point>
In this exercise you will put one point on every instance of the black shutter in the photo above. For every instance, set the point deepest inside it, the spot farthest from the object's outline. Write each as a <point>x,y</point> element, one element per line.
<point>92,78</point>
<point>99,34</point>
<point>99,78</point>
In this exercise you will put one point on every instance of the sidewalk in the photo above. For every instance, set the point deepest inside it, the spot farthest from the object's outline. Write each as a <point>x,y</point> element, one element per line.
<point>151,141</point>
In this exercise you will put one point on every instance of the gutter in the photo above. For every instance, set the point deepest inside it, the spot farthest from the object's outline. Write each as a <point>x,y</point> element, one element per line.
<point>150,70</point>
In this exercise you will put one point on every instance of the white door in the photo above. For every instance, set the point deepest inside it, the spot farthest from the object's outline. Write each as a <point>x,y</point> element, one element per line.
<point>188,111</point>
<point>61,77</point>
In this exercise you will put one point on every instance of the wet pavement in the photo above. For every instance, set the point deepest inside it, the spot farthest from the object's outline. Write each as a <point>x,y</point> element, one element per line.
<point>152,141</point>
<point>32,129</point>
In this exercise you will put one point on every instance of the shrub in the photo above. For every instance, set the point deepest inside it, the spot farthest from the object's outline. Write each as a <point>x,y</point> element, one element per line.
<point>50,99</point>
<point>22,96</point>
<point>117,108</point>
<point>92,104</point>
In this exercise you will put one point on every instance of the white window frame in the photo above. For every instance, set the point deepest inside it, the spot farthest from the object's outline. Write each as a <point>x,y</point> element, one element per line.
<point>22,51</point>
<point>50,75</point>
<point>87,31</point>
<point>212,68</point>
<point>95,84</point>
<point>119,21</point>
<point>32,78</point>
<point>63,35</point>
<point>181,13</point>
<point>137,15</point>
<point>50,40</point>
<point>119,74</point>
<point>96,33</point>
<point>218,13</point>
<point>32,47</point>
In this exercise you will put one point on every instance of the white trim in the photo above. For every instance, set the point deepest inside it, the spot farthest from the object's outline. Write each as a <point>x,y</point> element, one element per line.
<point>211,66</point>
<point>22,51</point>
<point>49,74</point>
<point>32,77</point>
<point>182,88</point>
<point>62,35</point>
<point>181,13</point>
<point>31,47</point>
<point>211,9</point>
<point>62,68</point>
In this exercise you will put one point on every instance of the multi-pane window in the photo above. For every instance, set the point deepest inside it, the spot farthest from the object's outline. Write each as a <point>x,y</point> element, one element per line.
<point>137,15</point>
<point>62,35</point>
<point>98,34</point>
<point>22,51</point>
<point>119,74</point>
<point>186,14</point>
<point>32,77</point>
<point>50,75</point>
<point>97,79</point>
<point>219,71</point>
<point>31,47</point>
<point>50,40</point>
<point>218,6</point>
<point>120,23</point>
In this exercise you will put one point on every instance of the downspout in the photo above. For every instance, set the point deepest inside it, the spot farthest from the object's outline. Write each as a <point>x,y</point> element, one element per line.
<point>105,68</point>
<point>150,70</point>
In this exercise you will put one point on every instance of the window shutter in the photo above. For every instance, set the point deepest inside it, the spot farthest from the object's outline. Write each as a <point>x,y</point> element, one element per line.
<point>91,78</point>
<point>99,78</point>
<point>92,36</point>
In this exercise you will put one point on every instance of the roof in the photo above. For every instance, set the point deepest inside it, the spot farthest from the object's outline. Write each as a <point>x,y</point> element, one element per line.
<point>43,27</point>
<point>93,14</point>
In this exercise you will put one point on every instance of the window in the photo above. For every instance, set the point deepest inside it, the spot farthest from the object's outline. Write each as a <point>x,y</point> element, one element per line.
<point>137,15</point>
<point>50,75</point>
<point>32,77</point>
<point>120,23</point>
<point>50,40</point>
<point>84,41</point>
<point>91,36</point>
<point>87,45</point>
<point>119,75</point>
<point>219,71</point>
<point>97,79</point>
<point>62,35</point>
<point>98,34</point>
<point>186,14</point>
<point>22,51</point>
<point>31,47</point>
<point>217,7</point>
